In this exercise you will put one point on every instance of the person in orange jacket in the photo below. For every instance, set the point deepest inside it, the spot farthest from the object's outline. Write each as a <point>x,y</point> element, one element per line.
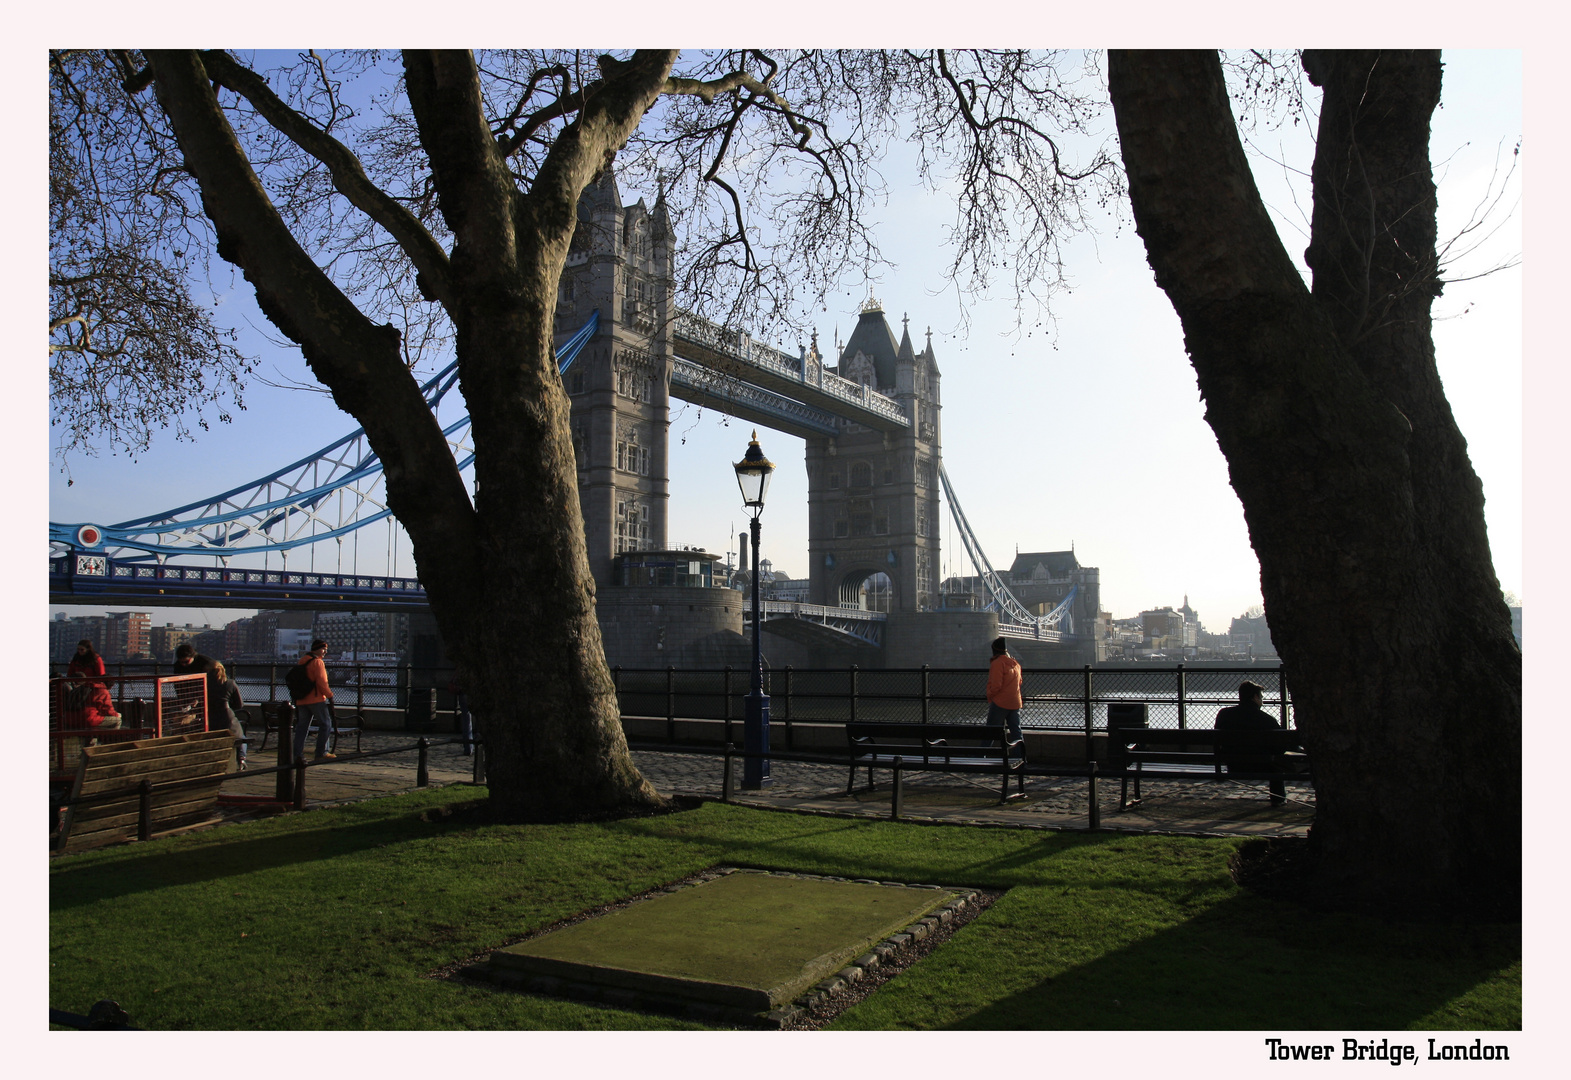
<point>1003,689</point>
<point>314,706</point>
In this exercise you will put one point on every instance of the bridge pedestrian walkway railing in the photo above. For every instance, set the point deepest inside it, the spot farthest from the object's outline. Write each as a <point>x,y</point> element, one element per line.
<point>736,345</point>
<point>1055,699</point>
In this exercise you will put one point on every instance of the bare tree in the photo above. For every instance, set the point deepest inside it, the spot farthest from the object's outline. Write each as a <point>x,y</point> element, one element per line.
<point>131,348</point>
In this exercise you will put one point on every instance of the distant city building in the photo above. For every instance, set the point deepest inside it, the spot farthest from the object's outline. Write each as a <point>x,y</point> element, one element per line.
<point>165,639</point>
<point>363,631</point>
<point>1162,630</point>
<point>1250,636</point>
<point>119,635</point>
<point>126,635</point>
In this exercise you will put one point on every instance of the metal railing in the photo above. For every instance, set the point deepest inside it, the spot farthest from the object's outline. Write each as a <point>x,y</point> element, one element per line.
<point>356,686</point>
<point>1054,699</point>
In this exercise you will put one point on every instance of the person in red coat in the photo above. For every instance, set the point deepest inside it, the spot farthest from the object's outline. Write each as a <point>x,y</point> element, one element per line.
<point>95,708</point>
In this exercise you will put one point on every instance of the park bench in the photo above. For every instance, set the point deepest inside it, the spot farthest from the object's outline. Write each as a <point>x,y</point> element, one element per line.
<point>956,748</point>
<point>184,772</point>
<point>1134,751</point>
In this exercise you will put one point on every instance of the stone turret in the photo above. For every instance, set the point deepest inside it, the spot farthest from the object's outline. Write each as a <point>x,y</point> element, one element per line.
<point>873,513</point>
<point>619,265</point>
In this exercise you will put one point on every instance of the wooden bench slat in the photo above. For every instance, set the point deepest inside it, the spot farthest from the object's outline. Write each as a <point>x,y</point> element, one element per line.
<point>933,747</point>
<point>203,764</point>
<point>1197,753</point>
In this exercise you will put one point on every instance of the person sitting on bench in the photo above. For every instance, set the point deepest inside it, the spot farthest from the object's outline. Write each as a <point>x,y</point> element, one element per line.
<point>1241,728</point>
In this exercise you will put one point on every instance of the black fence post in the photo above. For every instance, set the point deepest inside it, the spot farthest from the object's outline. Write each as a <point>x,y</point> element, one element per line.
<point>422,772</point>
<point>785,700</point>
<point>144,810</point>
<point>670,703</point>
<point>1086,690</point>
<point>1096,806</point>
<point>924,693</point>
<point>1183,716</point>
<point>727,693</point>
<point>283,785</point>
<point>853,693</point>
<point>726,780</point>
<point>1281,688</point>
<point>272,679</point>
<point>897,798</point>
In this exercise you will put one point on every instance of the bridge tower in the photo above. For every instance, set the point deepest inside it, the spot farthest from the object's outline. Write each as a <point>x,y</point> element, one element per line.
<point>620,265</point>
<point>873,513</point>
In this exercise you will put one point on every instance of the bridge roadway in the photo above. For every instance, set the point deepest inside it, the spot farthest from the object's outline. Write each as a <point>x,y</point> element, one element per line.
<point>729,370</point>
<point>1210,809</point>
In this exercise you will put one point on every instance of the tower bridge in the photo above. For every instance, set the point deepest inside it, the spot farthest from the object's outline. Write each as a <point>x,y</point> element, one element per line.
<point>871,422</point>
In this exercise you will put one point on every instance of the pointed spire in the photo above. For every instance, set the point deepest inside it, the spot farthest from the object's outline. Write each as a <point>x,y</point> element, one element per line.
<point>659,217</point>
<point>905,353</point>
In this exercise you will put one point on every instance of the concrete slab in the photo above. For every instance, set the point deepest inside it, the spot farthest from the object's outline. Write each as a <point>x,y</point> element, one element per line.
<point>749,940</point>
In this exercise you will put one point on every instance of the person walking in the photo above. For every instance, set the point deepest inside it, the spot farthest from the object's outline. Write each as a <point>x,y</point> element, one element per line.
<point>230,706</point>
<point>314,706</point>
<point>1003,689</point>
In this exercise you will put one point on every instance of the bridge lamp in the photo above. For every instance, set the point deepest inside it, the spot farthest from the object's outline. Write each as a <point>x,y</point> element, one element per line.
<point>752,476</point>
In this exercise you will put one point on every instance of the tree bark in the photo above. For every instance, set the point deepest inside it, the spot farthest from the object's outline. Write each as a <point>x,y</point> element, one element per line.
<point>1361,504</point>
<point>508,576</point>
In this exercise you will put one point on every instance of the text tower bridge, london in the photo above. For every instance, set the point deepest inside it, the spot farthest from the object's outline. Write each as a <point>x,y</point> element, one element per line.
<point>871,424</point>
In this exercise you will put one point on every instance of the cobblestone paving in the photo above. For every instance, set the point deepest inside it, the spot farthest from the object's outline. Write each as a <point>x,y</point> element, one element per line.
<point>1049,802</point>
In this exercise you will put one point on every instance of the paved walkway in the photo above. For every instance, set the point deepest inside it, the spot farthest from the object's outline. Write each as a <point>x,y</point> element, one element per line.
<point>1205,808</point>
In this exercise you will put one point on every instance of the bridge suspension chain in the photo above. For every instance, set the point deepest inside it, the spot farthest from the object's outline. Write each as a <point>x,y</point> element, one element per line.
<point>1060,618</point>
<point>291,507</point>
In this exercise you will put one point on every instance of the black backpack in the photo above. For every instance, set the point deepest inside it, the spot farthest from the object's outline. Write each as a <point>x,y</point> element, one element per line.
<point>299,682</point>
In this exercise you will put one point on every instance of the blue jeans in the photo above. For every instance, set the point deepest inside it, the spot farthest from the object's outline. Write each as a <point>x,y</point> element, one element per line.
<point>1009,718</point>
<point>305,715</point>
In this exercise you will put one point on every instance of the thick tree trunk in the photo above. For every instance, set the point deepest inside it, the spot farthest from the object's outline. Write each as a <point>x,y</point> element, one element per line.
<point>508,576</point>
<point>1361,504</point>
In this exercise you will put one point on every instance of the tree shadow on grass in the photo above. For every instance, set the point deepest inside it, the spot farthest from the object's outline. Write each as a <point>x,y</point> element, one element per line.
<point>1250,964</point>
<point>218,854</point>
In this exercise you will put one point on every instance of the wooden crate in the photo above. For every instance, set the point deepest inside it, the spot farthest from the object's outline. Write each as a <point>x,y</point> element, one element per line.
<point>120,767</point>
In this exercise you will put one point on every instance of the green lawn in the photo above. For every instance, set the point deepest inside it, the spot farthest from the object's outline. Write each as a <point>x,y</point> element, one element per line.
<point>334,919</point>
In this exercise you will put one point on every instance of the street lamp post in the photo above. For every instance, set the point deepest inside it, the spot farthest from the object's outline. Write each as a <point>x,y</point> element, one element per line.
<point>752,476</point>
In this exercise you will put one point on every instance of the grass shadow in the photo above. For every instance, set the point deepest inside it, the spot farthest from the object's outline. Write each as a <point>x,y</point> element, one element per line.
<point>1251,964</point>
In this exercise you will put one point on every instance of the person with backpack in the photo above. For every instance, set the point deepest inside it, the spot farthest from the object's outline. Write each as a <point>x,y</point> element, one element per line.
<point>308,689</point>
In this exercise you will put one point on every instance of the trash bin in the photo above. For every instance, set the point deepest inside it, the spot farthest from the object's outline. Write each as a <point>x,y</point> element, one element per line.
<point>1122,717</point>
<point>421,714</point>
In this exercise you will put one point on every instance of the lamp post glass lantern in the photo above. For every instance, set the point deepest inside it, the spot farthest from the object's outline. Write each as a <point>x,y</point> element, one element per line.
<point>752,476</point>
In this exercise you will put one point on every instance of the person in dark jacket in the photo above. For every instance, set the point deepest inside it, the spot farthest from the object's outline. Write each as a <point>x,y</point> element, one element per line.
<point>229,706</point>
<point>1244,737</point>
<point>190,662</point>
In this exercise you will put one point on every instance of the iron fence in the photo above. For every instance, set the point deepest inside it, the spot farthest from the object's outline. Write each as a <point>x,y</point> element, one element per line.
<point>357,686</point>
<point>1054,699</point>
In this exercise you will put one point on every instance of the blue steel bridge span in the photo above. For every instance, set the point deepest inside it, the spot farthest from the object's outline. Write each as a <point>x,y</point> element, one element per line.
<point>326,497</point>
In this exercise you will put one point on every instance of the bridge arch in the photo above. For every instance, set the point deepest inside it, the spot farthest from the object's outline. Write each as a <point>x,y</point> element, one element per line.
<point>868,588</point>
